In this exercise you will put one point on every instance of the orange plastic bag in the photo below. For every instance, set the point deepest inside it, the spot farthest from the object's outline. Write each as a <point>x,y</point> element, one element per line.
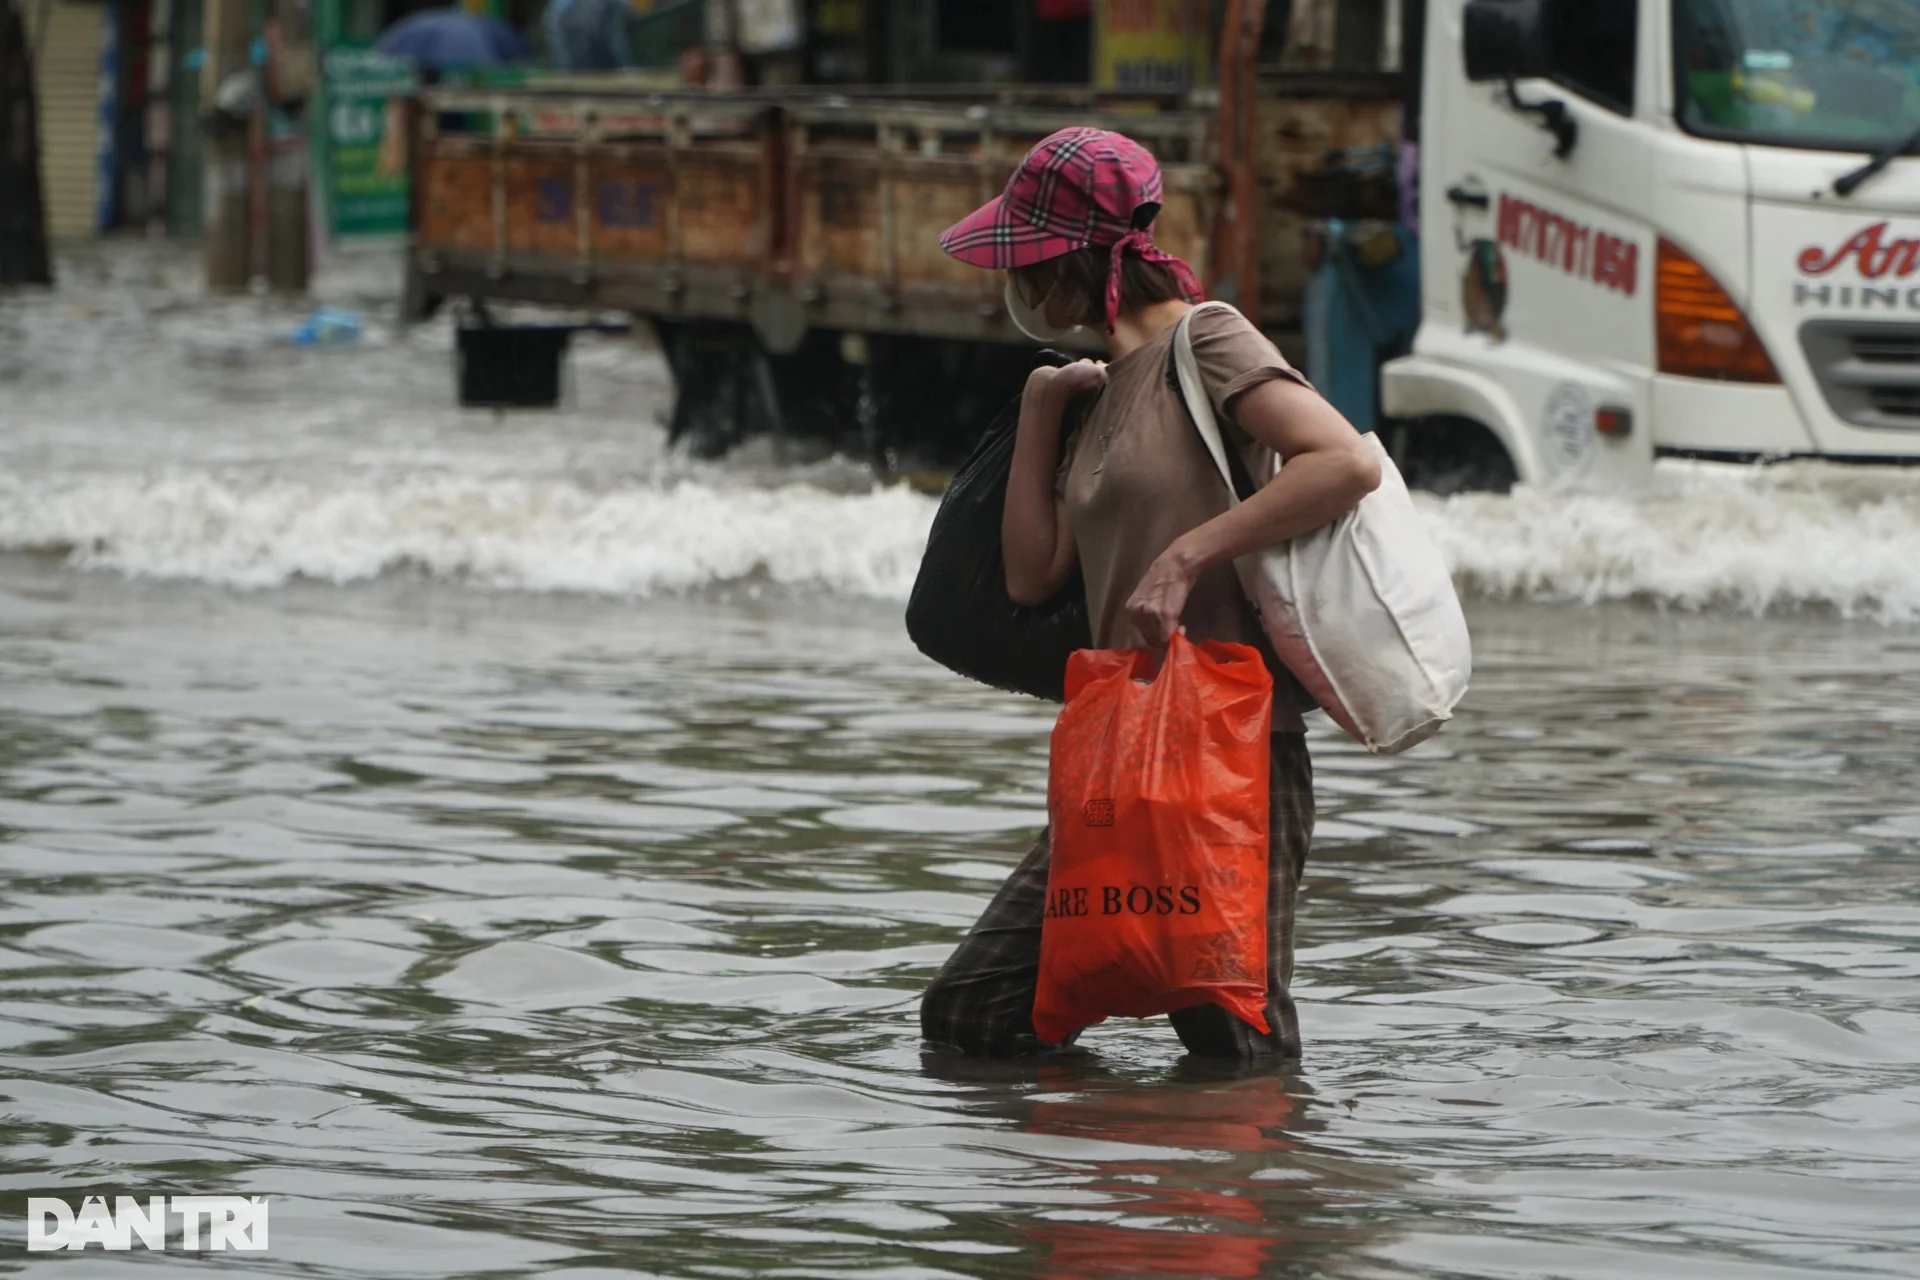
<point>1157,889</point>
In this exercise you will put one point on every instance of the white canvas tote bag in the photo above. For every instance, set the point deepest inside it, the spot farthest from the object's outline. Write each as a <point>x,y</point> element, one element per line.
<point>1362,610</point>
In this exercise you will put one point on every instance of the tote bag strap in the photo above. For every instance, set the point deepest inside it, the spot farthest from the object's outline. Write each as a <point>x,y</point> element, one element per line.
<point>1240,486</point>
<point>1200,407</point>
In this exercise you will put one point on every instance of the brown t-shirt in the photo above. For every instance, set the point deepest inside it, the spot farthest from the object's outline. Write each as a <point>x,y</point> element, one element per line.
<point>1136,476</point>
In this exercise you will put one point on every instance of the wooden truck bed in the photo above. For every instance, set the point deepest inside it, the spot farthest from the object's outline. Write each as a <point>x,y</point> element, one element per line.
<point>786,243</point>
<point>799,212</point>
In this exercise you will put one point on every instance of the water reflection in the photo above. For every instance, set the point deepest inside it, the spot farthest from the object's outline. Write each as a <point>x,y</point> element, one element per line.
<point>1197,1168</point>
<point>1198,1215</point>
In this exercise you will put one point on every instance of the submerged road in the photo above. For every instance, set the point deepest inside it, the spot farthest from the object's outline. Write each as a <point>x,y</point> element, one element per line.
<point>516,851</point>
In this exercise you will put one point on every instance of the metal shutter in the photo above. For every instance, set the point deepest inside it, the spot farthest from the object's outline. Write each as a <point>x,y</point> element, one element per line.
<point>67,75</point>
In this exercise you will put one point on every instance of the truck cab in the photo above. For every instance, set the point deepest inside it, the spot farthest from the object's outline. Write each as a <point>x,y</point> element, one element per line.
<point>1650,228</point>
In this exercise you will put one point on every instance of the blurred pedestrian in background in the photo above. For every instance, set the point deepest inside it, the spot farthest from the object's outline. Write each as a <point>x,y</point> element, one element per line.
<point>588,35</point>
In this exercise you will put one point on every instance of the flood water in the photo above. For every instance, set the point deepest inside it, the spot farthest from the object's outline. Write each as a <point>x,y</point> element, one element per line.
<point>515,851</point>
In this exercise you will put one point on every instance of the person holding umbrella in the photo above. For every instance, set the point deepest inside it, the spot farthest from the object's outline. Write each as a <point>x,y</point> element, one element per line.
<point>436,41</point>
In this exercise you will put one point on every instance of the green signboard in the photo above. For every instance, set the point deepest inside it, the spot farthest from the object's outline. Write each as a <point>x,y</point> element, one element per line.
<point>363,198</point>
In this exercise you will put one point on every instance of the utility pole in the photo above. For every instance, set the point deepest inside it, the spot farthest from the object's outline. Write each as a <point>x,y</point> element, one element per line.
<point>1234,265</point>
<point>291,73</point>
<point>23,225</point>
<point>229,221</point>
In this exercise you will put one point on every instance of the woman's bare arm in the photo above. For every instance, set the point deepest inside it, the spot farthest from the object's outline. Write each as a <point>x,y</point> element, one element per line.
<point>1035,538</point>
<point>1329,467</point>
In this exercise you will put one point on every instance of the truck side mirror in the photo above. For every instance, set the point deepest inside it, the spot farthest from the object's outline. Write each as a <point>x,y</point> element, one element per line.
<point>1504,39</point>
<point>1507,40</point>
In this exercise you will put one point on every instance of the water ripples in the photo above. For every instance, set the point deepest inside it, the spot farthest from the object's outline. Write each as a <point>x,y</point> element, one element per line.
<point>544,935</point>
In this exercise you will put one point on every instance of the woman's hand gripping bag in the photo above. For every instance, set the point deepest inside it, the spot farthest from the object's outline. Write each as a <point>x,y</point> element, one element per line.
<point>1157,887</point>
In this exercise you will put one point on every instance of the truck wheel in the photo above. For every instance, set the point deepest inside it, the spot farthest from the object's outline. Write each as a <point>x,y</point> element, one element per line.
<point>1446,455</point>
<point>931,398</point>
<point>722,386</point>
<point>417,305</point>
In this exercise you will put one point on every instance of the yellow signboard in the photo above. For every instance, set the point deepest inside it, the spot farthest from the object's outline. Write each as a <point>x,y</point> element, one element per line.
<point>1151,44</point>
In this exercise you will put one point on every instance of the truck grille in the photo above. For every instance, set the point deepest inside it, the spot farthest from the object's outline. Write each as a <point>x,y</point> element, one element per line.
<point>1870,373</point>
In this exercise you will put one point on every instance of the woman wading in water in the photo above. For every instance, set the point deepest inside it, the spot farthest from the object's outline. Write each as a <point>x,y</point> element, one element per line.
<point>1135,502</point>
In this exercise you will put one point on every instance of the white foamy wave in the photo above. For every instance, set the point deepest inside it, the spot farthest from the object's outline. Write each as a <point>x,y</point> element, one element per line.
<point>1702,537</point>
<point>533,534</point>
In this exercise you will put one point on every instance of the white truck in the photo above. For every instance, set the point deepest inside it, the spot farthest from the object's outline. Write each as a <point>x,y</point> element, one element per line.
<point>1665,227</point>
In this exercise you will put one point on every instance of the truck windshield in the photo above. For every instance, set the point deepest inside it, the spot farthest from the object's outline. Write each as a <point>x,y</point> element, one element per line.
<point>1825,74</point>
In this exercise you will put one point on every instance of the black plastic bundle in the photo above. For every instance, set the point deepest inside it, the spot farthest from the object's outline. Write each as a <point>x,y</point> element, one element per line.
<point>960,614</point>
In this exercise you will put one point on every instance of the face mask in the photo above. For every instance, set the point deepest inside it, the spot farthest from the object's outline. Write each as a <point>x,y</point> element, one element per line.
<point>1032,320</point>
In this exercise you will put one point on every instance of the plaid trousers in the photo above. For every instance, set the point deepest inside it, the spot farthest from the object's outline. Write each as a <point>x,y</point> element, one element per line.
<point>981,1001</point>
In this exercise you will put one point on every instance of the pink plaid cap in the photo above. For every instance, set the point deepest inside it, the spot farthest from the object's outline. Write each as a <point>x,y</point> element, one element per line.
<point>1076,188</point>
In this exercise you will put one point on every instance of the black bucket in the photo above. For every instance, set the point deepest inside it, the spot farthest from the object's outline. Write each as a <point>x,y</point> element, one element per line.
<point>512,367</point>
